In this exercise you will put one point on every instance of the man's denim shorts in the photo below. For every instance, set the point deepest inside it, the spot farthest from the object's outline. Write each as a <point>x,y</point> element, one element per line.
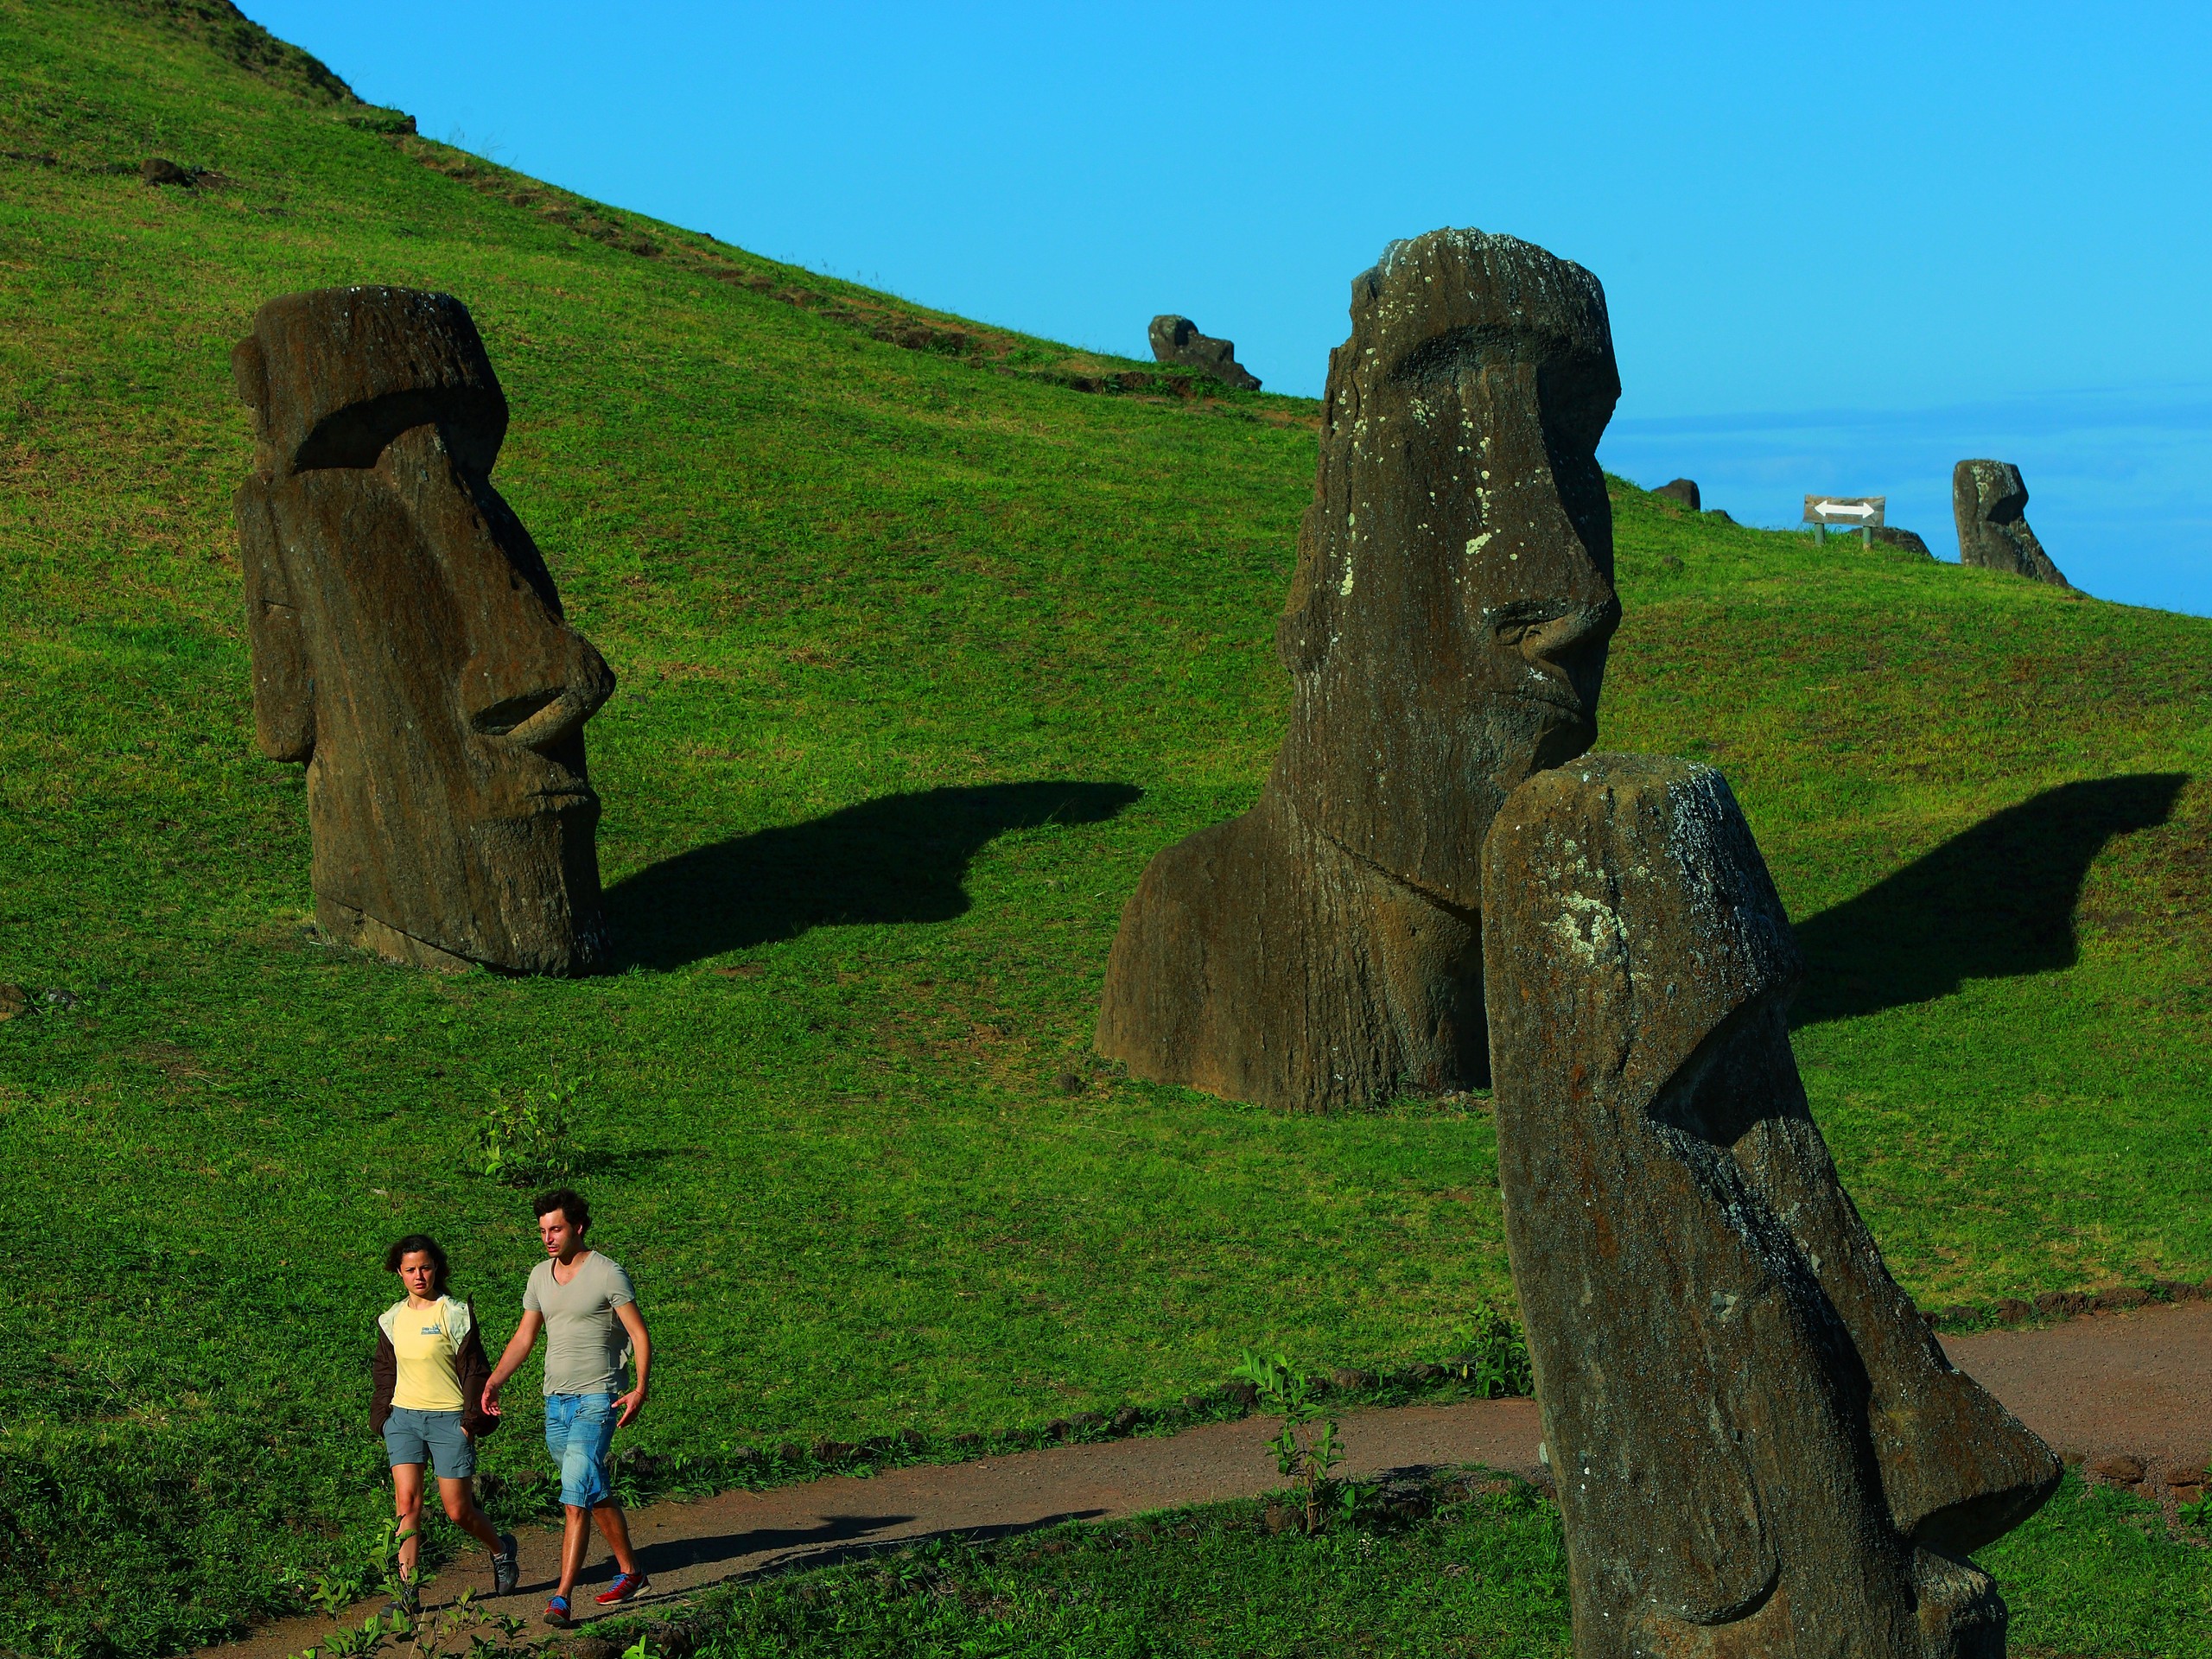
<point>580,1432</point>
<point>431,1437</point>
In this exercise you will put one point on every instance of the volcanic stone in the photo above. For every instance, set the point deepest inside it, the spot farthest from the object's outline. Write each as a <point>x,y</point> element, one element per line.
<point>1177,339</point>
<point>407,646</point>
<point>1988,500</point>
<point>1446,635</point>
<point>2012,1311</point>
<point>2118,1468</point>
<point>159,170</point>
<point>1903,541</point>
<point>1683,490</point>
<point>1759,1449</point>
<point>2121,1296</point>
<point>1345,1376</point>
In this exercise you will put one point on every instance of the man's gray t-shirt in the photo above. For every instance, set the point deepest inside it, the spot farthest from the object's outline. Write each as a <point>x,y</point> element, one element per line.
<point>586,1346</point>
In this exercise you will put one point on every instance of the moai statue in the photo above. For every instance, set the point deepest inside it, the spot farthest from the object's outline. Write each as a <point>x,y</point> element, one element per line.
<point>1446,634</point>
<point>1177,339</point>
<point>408,644</point>
<point>1760,1449</point>
<point>1990,502</point>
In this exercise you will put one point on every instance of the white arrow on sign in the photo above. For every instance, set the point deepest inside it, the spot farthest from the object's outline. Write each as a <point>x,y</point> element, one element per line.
<point>1846,509</point>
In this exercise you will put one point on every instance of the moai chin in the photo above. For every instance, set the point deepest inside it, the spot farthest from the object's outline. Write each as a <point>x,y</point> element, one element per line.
<point>1760,1448</point>
<point>1445,634</point>
<point>1989,502</point>
<point>408,644</point>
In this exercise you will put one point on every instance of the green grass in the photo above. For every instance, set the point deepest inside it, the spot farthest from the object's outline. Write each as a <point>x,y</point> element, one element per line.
<point>922,655</point>
<point>1483,1573</point>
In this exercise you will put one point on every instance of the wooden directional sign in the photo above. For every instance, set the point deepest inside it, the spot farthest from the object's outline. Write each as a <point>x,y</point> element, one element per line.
<point>1860,512</point>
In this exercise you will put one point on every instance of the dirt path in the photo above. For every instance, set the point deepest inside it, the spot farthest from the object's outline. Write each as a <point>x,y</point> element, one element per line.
<point>2138,1383</point>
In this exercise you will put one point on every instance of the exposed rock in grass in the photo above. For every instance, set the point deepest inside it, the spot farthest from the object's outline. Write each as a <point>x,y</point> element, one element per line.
<point>408,644</point>
<point>1903,541</point>
<point>1990,501</point>
<point>1757,1444</point>
<point>1177,339</point>
<point>159,169</point>
<point>1445,634</point>
<point>1683,490</point>
<point>2118,1468</point>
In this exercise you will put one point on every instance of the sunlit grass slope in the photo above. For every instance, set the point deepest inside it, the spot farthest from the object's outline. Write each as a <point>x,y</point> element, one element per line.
<point>923,654</point>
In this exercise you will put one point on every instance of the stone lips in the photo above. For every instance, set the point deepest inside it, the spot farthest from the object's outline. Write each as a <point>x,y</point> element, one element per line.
<point>408,643</point>
<point>1445,634</point>
<point>1758,1445</point>
<point>1989,502</point>
<point>1177,339</point>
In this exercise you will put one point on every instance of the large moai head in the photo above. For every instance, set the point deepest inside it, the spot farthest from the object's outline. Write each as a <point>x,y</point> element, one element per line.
<point>1760,1448</point>
<point>1989,500</point>
<point>1447,623</point>
<point>408,644</point>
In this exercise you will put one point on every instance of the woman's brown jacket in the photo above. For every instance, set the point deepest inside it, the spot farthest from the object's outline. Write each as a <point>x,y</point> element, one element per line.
<point>469,1364</point>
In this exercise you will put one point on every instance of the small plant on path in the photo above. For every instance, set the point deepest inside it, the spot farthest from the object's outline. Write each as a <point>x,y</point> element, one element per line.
<point>1305,1449</point>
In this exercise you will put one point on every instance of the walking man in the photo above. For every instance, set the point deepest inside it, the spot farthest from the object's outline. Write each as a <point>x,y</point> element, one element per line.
<point>582,1299</point>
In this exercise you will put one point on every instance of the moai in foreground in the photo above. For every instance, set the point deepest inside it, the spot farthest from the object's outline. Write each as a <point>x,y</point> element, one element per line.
<point>408,644</point>
<point>1445,634</point>
<point>1990,503</point>
<point>1760,1448</point>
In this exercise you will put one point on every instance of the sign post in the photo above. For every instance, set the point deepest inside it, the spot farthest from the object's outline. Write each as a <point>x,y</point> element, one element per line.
<point>1860,512</point>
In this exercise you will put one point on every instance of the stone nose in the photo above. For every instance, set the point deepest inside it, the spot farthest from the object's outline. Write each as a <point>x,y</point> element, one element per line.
<point>517,702</point>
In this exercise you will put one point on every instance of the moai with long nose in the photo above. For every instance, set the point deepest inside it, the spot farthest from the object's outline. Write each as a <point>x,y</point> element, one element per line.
<point>1445,634</point>
<point>408,644</point>
<point>1761,1451</point>
<point>1989,502</point>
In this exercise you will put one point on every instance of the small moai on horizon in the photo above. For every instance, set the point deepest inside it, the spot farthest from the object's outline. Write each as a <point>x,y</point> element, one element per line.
<point>1760,1449</point>
<point>1177,339</point>
<point>1446,635</point>
<point>407,646</point>
<point>1683,490</point>
<point>1989,501</point>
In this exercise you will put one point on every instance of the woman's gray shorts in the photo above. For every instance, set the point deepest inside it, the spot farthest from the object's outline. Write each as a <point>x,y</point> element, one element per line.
<point>431,1437</point>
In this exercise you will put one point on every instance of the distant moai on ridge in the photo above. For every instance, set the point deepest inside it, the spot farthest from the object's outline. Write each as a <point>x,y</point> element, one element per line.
<point>1683,490</point>
<point>1446,636</point>
<point>1989,501</point>
<point>1176,340</point>
<point>407,646</point>
<point>1759,1447</point>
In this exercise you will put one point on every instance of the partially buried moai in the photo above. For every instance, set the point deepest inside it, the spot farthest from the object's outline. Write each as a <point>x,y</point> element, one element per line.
<point>408,644</point>
<point>1445,634</point>
<point>1760,1448</point>
<point>1990,502</point>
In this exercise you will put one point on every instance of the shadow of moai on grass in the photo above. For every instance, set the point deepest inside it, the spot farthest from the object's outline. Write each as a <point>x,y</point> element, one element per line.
<point>900,858</point>
<point>1995,901</point>
<point>1759,1447</point>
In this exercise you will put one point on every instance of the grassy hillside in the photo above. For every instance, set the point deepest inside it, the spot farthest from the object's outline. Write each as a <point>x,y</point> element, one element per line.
<point>924,652</point>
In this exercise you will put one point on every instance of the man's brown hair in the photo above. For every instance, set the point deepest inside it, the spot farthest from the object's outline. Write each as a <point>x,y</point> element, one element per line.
<point>569,1203</point>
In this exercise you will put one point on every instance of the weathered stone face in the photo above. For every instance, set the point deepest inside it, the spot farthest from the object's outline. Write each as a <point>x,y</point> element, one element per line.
<point>408,643</point>
<point>1453,597</point>
<point>1446,634</point>
<point>1177,339</point>
<point>1989,501</point>
<point>1759,1447</point>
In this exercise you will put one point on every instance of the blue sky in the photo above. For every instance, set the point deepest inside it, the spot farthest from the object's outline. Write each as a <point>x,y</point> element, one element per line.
<point>1843,247</point>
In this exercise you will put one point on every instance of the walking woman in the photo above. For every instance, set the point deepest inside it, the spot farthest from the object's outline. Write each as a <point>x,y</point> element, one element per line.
<point>430,1374</point>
